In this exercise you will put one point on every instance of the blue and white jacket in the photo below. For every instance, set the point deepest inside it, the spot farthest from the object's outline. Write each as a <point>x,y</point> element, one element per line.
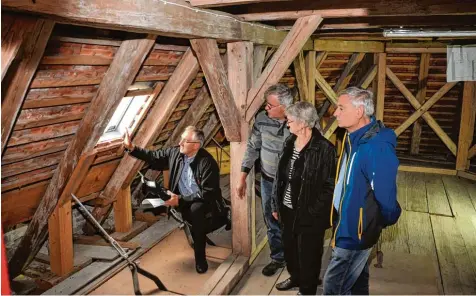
<point>365,194</point>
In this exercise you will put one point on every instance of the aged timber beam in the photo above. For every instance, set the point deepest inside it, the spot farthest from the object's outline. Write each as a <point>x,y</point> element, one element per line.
<point>280,62</point>
<point>208,56</point>
<point>466,129</point>
<point>155,17</point>
<point>112,89</point>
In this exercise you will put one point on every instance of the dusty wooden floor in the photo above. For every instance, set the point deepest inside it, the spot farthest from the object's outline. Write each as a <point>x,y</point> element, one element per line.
<point>431,250</point>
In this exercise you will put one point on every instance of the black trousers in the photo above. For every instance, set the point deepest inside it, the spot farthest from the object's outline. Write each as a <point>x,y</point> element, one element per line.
<point>303,253</point>
<point>194,213</point>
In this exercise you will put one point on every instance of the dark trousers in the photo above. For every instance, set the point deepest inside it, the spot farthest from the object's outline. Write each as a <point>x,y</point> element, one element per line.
<point>194,213</point>
<point>303,253</point>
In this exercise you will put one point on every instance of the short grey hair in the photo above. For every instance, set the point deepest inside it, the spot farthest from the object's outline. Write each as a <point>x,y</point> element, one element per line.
<point>360,97</point>
<point>282,92</point>
<point>306,113</point>
<point>198,134</point>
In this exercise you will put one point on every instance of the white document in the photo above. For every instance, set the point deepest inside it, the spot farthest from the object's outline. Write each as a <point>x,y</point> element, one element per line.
<point>461,63</point>
<point>152,202</point>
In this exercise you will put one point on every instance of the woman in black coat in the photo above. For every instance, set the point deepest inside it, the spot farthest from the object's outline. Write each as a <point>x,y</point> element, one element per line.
<point>302,196</point>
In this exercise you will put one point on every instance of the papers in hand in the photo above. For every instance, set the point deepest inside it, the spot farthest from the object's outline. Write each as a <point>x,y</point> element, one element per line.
<point>152,203</point>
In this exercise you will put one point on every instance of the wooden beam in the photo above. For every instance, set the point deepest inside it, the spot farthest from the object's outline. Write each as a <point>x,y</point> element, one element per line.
<point>13,39</point>
<point>427,116</point>
<point>466,129</point>
<point>301,77</point>
<point>472,152</point>
<point>296,14</point>
<point>259,57</point>
<point>368,77</point>
<point>423,48</point>
<point>380,100</point>
<point>421,95</point>
<point>215,74</point>
<point>325,87</point>
<point>156,119</point>
<point>424,108</point>
<point>153,17</point>
<point>348,46</point>
<point>240,58</point>
<point>123,211</point>
<point>77,177</point>
<point>16,91</point>
<point>428,170</point>
<point>320,58</point>
<point>60,234</point>
<point>467,175</point>
<point>120,75</point>
<point>286,53</point>
<point>217,3</point>
<point>311,79</point>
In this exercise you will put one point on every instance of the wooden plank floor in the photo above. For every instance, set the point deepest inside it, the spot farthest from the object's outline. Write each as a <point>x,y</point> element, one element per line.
<point>431,250</point>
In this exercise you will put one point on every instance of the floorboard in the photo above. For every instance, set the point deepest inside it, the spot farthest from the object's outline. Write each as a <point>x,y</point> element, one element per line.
<point>458,196</point>
<point>437,200</point>
<point>416,193</point>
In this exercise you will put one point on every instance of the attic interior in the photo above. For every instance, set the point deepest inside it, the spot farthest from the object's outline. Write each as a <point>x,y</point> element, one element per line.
<point>74,77</point>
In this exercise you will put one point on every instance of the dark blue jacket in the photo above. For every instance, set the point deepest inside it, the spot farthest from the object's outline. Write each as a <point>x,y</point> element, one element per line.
<point>366,189</point>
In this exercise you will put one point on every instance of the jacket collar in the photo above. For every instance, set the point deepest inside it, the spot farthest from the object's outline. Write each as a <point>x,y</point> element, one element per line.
<point>367,132</point>
<point>312,144</point>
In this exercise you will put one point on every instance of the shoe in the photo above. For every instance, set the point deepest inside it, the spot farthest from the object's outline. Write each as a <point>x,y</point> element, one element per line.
<point>201,267</point>
<point>286,285</point>
<point>272,268</point>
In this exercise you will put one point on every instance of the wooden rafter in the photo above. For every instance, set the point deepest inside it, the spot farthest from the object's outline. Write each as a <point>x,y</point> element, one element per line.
<point>348,46</point>
<point>112,89</point>
<point>154,17</point>
<point>311,80</point>
<point>424,108</point>
<point>420,96</point>
<point>240,62</point>
<point>217,80</point>
<point>427,116</point>
<point>466,130</point>
<point>15,94</point>
<point>279,63</point>
<point>320,58</point>
<point>472,152</point>
<point>294,15</point>
<point>217,3</point>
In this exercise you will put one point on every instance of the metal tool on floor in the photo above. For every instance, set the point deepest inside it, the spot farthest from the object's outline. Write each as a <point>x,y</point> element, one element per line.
<point>132,265</point>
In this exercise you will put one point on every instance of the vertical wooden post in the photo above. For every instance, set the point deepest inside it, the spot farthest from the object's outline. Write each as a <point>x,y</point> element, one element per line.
<point>466,129</point>
<point>421,95</point>
<point>301,77</point>
<point>382,65</point>
<point>311,79</point>
<point>240,63</point>
<point>60,231</point>
<point>123,211</point>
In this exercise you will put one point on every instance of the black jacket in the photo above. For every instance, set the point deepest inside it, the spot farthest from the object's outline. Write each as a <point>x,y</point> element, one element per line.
<point>312,182</point>
<point>205,170</point>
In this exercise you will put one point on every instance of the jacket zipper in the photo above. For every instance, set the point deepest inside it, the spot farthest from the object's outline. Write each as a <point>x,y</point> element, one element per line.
<point>361,223</point>
<point>343,193</point>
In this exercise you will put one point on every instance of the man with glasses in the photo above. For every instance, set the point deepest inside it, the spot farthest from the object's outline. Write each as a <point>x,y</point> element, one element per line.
<point>266,142</point>
<point>194,184</point>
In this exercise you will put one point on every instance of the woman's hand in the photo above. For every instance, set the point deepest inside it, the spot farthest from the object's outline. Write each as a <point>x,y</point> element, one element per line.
<point>275,215</point>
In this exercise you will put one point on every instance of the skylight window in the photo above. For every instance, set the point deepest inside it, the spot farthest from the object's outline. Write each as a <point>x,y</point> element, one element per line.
<point>125,116</point>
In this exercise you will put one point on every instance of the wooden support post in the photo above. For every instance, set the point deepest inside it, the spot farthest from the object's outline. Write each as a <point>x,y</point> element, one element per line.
<point>279,63</point>
<point>240,61</point>
<point>466,129</point>
<point>427,116</point>
<point>301,77</point>
<point>119,76</point>
<point>16,92</point>
<point>215,74</point>
<point>421,95</point>
<point>472,152</point>
<point>380,100</point>
<point>60,231</point>
<point>259,56</point>
<point>123,211</point>
<point>311,80</point>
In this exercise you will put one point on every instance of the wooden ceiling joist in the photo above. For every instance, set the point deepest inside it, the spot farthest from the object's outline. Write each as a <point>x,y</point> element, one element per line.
<point>295,14</point>
<point>348,46</point>
<point>112,89</point>
<point>217,80</point>
<point>280,62</point>
<point>153,17</point>
<point>15,94</point>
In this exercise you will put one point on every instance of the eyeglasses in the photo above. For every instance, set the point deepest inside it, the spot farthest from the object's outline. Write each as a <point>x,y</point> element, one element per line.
<point>269,106</point>
<point>291,121</point>
<point>182,140</point>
